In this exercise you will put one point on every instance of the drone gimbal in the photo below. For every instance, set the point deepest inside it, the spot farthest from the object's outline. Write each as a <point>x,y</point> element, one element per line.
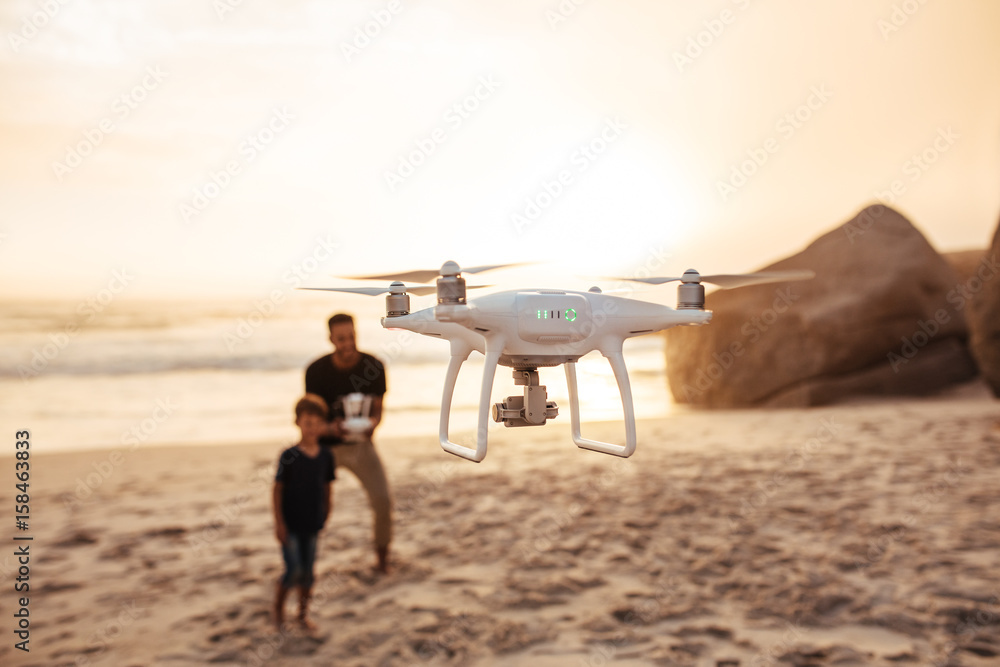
<point>531,409</point>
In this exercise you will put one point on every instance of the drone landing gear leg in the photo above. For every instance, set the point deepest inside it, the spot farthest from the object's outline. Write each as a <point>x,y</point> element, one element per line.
<point>459,353</point>
<point>617,361</point>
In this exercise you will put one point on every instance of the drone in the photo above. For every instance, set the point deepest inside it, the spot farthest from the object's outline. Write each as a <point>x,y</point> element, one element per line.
<point>528,329</point>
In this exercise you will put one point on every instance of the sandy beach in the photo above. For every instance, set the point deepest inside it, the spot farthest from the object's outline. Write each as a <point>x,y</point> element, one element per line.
<point>860,534</point>
<point>193,189</point>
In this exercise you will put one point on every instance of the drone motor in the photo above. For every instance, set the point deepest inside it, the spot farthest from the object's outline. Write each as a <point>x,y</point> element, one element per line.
<point>451,285</point>
<point>691,293</point>
<point>397,303</point>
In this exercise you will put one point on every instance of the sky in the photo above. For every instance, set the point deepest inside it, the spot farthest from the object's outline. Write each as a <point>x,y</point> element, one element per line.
<point>186,150</point>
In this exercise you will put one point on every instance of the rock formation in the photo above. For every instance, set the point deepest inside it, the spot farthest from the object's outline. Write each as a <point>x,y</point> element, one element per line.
<point>982,288</point>
<point>884,315</point>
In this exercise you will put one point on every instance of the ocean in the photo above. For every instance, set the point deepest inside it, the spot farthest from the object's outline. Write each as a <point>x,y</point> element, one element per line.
<point>127,374</point>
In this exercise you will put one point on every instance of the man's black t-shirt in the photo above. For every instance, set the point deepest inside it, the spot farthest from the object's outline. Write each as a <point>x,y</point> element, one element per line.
<point>303,496</point>
<point>323,378</point>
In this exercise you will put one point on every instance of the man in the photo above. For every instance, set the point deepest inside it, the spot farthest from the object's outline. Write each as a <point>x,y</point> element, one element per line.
<point>348,370</point>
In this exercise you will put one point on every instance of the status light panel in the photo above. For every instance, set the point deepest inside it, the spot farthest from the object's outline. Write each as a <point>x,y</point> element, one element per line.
<point>552,318</point>
<point>569,314</point>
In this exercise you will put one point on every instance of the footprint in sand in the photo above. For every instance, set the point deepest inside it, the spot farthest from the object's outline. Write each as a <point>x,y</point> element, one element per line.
<point>77,538</point>
<point>169,532</point>
<point>58,586</point>
<point>121,551</point>
<point>229,634</point>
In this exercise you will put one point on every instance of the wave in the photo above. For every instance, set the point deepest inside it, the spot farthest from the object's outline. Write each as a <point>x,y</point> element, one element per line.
<point>154,338</point>
<point>161,362</point>
<point>152,365</point>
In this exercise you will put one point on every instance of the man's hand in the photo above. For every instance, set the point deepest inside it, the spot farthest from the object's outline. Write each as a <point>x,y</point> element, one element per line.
<point>335,428</point>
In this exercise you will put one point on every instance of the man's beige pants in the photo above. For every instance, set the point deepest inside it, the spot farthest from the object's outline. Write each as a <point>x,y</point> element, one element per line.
<point>362,459</point>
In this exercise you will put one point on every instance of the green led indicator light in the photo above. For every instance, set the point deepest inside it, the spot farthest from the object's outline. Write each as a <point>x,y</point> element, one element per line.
<point>570,314</point>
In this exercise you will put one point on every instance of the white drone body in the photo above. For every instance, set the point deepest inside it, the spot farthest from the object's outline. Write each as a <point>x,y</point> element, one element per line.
<point>533,328</point>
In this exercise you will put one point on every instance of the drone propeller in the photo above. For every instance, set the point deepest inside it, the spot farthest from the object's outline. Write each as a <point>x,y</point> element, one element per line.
<point>691,292</point>
<point>729,281</point>
<point>396,288</point>
<point>419,290</point>
<point>422,276</point>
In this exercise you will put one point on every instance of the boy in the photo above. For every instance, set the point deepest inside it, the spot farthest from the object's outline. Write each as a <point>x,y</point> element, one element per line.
<point>302,502</point>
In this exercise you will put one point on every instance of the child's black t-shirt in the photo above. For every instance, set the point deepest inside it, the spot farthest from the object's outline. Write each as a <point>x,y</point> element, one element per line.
<point>303,497</point>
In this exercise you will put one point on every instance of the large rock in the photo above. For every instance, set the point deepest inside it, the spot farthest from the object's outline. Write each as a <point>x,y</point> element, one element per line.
<point>882,316</point>
<point>965,262</point>
<point>982,288</point>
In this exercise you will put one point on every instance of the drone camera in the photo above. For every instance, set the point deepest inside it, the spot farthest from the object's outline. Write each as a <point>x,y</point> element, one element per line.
<point>531,409</point>
<point>512,412</point>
